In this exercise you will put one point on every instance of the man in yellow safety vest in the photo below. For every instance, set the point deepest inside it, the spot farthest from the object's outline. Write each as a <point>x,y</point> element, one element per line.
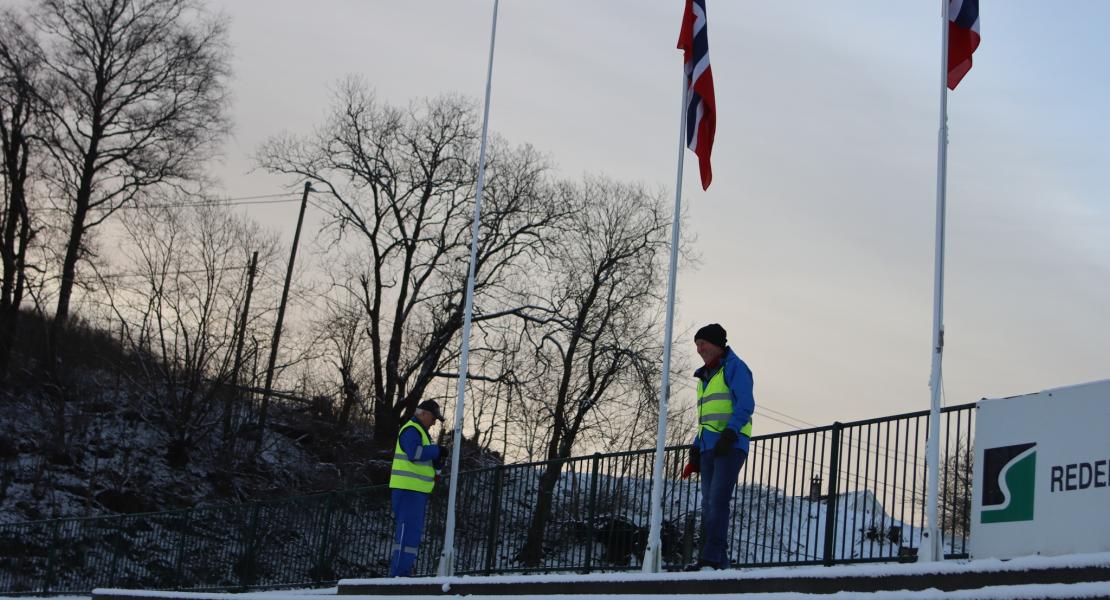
<point>412,479</point>
<point>725,407</point>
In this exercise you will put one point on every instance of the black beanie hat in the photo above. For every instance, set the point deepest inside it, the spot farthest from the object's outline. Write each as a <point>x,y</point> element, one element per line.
<point>431,406</point>
<point>714,334</point>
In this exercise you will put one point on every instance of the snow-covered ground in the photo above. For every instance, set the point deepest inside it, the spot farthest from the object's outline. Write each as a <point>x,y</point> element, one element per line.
<point>947,567</point>
<point>1060,590</point>
<point>1007,592</point>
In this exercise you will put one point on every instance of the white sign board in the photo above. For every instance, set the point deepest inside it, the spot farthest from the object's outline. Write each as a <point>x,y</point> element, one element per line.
<point>1042,473</point>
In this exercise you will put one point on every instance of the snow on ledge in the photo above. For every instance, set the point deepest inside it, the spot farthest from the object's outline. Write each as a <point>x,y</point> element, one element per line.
<point>305,594</point>
<point>990,565</point>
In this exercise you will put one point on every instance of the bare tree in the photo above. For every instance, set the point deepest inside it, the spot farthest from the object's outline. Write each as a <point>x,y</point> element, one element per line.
<point>20,116</point>
<point>342,329</point>
<point>398,187</point>
<point>954,500</point>
<point>183,313</point>
<point>491,401</point>
<point>595,336</point>
<point>955,493</point>
<point>138,89</point>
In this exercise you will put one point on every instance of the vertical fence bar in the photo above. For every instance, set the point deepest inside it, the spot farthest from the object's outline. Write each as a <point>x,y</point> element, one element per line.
<point>322,565</point>
<point>779,522</point>
<point>178,569</point>
<point>117,550</point>
<point>591,511</point>
<point>904,444</point>
<point>916,477</point>
<point>801,502</point>
<point>830,506</point>
<point>894,436</point>
<point>494,518</point>
<point>817,469</point>
<point>966,502</point>
<point>754,449</point>
<point>945,484</point>
<point>51,558</point>
<point>867,487</point>
<point>249,552</point>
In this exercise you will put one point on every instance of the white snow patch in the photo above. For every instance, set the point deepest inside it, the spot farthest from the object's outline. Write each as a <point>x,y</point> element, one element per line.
<point>1004,592</point>
<point>866,570</point>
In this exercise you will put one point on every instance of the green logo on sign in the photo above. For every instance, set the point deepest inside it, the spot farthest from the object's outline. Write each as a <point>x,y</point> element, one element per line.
<point>1009,475</point>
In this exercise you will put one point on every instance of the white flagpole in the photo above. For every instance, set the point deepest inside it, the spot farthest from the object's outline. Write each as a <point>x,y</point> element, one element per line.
<point>932,547</point>
<point>653,554</point>
<point>447,559</point>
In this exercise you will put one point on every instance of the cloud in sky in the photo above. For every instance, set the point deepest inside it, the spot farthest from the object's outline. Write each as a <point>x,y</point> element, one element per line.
<point>816,237</point>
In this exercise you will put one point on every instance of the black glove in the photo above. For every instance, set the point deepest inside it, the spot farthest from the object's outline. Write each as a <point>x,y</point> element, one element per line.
<point>695,456</point>
<point>725,442</point>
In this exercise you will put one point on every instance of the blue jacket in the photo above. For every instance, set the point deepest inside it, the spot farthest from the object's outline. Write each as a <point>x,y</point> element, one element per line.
<point>411,443</point>
<point>738,378</point>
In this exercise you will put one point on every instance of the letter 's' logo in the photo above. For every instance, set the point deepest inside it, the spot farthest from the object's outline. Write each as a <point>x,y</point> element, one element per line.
<point>1009,475</point>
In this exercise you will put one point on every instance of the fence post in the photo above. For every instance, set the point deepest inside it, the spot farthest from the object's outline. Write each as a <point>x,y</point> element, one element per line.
<point>591,511</point>
<point>325,538</point>
<point>830,505</point>
<point>178,570</point>
<point>51,558</point>
<point>494,518</point>
<point>248,574</point>
<point>117,550</point>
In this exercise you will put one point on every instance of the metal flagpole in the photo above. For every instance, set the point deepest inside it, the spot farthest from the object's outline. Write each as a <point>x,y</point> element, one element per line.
<point>932,547</point>
<point>653,554</point>
<point>447,559</point>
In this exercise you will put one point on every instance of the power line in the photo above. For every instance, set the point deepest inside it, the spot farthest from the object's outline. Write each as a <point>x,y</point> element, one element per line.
<point>170,274</point>
<point>283,198</point>
<point>782,414</point>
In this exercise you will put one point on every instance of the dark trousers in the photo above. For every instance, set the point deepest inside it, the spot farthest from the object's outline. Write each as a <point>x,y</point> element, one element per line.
<point>718,480</point>
<point>408,508</point>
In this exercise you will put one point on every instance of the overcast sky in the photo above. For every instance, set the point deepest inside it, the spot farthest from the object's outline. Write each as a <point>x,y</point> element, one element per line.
<point>817,236</point>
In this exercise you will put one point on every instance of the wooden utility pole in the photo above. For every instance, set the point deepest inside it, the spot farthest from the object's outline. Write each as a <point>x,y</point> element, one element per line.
<point>280,317</point>
<point>241,336</point>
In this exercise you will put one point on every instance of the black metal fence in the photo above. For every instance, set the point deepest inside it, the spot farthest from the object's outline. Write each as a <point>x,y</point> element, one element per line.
<point>850,492</point>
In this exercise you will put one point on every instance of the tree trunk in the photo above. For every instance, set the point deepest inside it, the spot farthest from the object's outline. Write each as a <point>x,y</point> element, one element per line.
<point>8,322</point>
<point>14,278</point>
<point>387,424</point>
<point>73,250</point>
<point>532,552</point>
<point>350,397</point>
<point>16,235</point>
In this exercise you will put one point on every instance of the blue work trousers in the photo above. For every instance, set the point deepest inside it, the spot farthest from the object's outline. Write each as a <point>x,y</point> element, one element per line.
<point>718,480</point>
<point>408,508</point>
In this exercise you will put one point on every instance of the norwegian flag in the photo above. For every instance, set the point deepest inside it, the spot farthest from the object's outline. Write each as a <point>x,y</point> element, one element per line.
<point>963,38</point>
<point>701,108</point>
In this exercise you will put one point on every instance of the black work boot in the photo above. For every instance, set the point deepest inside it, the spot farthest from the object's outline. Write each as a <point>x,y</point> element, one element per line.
<point>699,565</point>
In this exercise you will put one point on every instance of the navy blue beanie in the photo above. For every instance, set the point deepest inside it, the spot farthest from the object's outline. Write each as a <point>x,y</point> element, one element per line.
<point>714,334</point>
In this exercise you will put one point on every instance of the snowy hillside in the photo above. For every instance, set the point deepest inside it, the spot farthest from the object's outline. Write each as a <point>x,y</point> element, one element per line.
<point>331,536</point>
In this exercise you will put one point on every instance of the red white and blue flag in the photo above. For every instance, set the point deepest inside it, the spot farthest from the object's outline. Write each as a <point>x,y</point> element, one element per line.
<point>963,38</point>
<point>701,108</point>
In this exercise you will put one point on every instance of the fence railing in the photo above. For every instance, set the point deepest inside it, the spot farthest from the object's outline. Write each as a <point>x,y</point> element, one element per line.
<point>848,492</point>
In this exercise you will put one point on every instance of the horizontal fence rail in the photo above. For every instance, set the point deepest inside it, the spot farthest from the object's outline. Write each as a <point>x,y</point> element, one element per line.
<point>847,492</point>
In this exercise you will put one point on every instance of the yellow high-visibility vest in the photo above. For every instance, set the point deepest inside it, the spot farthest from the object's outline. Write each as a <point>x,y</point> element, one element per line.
<point>715,405</point>
<point>418,476</point>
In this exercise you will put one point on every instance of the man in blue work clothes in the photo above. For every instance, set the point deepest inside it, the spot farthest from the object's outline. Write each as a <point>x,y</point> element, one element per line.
<point>412,479</point>
<point>725,407</point>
